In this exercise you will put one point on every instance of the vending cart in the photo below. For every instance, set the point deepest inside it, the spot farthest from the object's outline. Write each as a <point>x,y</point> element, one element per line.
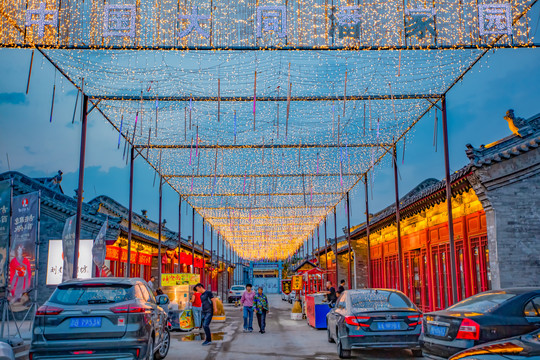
<point>179,288</point>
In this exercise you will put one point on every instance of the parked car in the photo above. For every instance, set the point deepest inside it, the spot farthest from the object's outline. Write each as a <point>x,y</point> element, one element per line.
<point>284,297</point>
<point>235,293</point>
<point>516,348</point>
<point>374,318</point>
<point>292,297</point>
<point>488,316</point>
<point>100,318</point>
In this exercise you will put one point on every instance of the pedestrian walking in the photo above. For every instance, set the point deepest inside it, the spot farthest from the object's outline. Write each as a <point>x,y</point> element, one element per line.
<point>209,307</point>
<point>196,308</point>
<point>341,288</point>
<point>151,282</point>
<point>247,303</point>
<point>330,294</point>
<point>260,302</point>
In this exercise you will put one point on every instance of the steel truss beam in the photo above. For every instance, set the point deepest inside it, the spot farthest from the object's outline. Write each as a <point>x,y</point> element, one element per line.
<point>268,98</point>
<point>268,194</point>
<point>261,146</point>
<point>202,208</point>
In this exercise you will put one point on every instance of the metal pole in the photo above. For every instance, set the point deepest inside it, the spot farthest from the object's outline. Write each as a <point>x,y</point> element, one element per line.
<point>203,255</point>
<point>326,248</point>
<point>130,210</point>
<point>400,252</point>
<point>336,252</point>
<point>211,252</point>
<point>349,278</point>
<point>159,231</point>
<point>449,203</point>
<point>223,262</point>
<point>193,242</point>
<point>313,245</point>
<point>217,263</point>
<point>81,184</point>
<point>367,232</point>
<point>318,245</point>
<point>179,232</point>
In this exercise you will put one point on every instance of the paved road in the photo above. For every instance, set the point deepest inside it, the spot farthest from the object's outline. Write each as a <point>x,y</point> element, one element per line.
<point>284,339</point>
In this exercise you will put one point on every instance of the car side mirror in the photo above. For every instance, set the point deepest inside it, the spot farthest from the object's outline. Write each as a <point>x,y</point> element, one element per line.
<point>162,299</point>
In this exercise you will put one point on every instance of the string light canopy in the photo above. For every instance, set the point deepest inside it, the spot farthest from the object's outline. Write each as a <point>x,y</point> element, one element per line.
<point>263,115</point>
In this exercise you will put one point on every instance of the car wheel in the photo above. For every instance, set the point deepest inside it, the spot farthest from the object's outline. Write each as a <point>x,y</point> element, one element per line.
<point>330,338</point>
<point>342,353</point>
<point>165,344</point>
<point>417,353</point>
<point>150,349</point>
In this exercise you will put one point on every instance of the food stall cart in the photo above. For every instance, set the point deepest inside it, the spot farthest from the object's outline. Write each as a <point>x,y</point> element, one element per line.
<point>179,288</point>
<point>315,306</point>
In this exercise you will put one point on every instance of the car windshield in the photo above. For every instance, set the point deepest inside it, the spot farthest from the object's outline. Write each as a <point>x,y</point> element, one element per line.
<point>376,300</point>
<point>238,288</point>
<point>92,294</point>
<point>482,303</point>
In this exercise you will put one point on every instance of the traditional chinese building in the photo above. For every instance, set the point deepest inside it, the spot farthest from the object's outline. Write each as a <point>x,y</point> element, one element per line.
<point>56,207</point>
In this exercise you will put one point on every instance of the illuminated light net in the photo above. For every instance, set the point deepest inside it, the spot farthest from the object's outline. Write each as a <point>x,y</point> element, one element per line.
<point>263,173</point>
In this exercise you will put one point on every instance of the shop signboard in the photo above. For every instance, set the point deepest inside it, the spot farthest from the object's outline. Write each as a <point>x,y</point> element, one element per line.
<point>297,282</point>
<point>55,264</point>
<point>5,209</point>
<point>22,254</point>
<point>286,286</point>
<point>179,279</point>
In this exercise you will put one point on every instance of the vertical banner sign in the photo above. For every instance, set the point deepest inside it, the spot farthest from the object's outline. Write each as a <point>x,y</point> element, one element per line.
<point>286,286</point>
<point>22,255</point>
<point>99,249</point>
<point>297,283</point>
<point>5,207</point>
<point>68,247</point>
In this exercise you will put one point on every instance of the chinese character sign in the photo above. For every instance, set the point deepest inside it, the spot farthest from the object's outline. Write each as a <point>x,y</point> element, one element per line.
<point>119,20</point>
<point>22,255</point>
<point>286,286</point>
<point>68,248</point>
<point>348,21</point>
<point>41,17</point>
<point>179,279</point>
<point>495,19</point>
<point>297,282</point>
<point>5,208</point>
<point>193,23</point>
<point>272,19</point>
<point>419,22</point>
<point>55,264</point>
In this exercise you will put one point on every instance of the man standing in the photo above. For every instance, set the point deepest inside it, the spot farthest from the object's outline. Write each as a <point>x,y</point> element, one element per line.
<point>247,303</point>
<point>209,307</point>
<point>341,288</point>
<point>151,283</point>
<point>330,294</point>
<point>261,307</point>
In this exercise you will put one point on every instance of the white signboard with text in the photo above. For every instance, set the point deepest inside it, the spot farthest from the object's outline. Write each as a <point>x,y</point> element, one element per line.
<point>55,261</point>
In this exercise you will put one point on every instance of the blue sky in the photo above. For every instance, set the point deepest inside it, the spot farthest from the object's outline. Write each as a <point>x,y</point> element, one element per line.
<point>505,79</point>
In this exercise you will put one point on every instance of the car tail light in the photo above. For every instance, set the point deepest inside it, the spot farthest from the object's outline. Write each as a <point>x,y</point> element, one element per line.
<point>469,330</point>
<point>416,318</point>
<point>125,309</point>
<point>48,310</point>
<point>138,353</point>
<point>30,356</point>
<point>357,320</point>
<point>82,352</point>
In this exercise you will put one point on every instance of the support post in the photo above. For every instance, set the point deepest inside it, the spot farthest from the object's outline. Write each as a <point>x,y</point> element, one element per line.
<point>130,210</point>
<point>203,256</point>
<point>217,264</point>
<point>81,185</point>
<point>336,251</point>
<point>349,278</point>
<point>211,252</point>
<point>370,283</point>
<point>160,263</point>
<point>453,272</point>
<point>326,248</point>
<point>179,232</point>
<point>400,250</point>
<point>313,245</point>
<point>318,245</point>
<point>193,242</point>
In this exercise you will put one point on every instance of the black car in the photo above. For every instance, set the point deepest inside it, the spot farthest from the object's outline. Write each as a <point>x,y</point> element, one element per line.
<point>524,347</point>
<point>374,318</point>
<point>101,318</point>
<point>488,316</point>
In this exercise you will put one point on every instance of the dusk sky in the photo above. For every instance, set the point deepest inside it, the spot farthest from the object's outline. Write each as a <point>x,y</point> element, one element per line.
<point>36,147</point>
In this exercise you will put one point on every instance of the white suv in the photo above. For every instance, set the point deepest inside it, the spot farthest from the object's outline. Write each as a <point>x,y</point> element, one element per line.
<point>235,293</point>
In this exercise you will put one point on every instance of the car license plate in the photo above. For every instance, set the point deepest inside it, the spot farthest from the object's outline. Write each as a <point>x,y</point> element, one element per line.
<point>389,325</point>
<point>437,330</point>
<point>85,322</point>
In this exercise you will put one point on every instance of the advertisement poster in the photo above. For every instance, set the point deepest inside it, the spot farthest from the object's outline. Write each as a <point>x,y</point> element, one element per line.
<point>286,286</point>
<point>179,279</point>
<point>55,264</point>
<point>99,248</point>
<point>22,254</point>
<point>68,248</point>
<point>5,207</point>
<point>297,282</point>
